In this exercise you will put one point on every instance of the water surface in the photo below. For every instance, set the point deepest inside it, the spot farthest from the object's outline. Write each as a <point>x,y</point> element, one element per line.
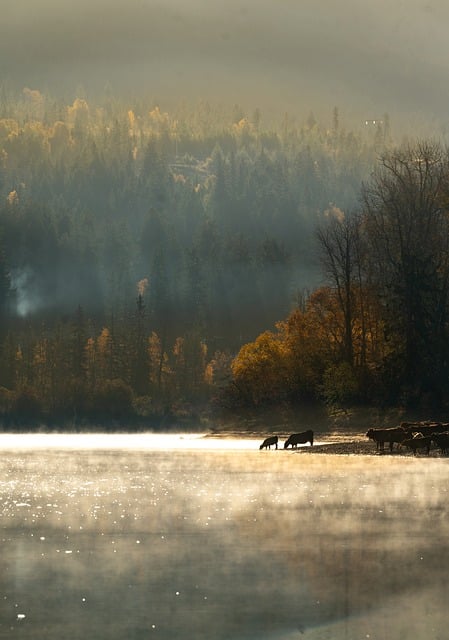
<point>188,537</point>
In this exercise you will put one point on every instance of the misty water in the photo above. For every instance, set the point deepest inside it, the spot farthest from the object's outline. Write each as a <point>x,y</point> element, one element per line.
<point>136,537</point>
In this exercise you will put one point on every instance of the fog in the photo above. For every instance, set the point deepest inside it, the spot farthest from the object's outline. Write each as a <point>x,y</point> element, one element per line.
<point>228,543</point>
<point>366,58</point>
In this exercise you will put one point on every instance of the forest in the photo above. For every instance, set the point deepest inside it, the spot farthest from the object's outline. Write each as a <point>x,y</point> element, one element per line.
<point>161,262</point>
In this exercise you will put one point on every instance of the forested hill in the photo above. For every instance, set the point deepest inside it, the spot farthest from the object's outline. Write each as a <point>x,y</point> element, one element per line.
<point>192,227</point>
<point>214,210</point>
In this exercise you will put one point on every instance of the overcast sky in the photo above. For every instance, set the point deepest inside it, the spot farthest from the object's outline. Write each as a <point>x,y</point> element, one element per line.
<point>366,57</point>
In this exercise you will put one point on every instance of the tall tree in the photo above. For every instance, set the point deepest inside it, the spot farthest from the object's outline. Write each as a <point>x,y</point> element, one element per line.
<point>406,222</point>
<point>339,244</point>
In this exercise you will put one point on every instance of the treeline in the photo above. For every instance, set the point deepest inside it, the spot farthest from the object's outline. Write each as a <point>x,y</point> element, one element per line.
<point>192,230</point>
<point>72,373</point>
<point>378,333</point>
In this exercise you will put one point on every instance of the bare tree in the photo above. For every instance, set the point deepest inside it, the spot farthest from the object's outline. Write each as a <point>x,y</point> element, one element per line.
<point>406,225</point>
<point>339,243</point>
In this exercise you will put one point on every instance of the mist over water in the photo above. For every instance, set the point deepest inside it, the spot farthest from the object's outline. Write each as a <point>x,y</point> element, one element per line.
<point>235,543</point>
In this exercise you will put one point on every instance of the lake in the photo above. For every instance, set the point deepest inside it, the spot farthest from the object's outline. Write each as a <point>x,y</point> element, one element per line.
<point>181,536</point>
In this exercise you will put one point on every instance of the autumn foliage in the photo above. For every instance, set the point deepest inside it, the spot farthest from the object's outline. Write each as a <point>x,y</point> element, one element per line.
<point>304,358</point>
<point>214,219</point>
<point>379,332</point>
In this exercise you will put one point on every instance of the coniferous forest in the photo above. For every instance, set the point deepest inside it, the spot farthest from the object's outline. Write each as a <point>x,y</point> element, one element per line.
<point>161,262</point>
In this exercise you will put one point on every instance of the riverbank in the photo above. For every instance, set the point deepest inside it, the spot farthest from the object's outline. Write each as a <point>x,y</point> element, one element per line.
<point>359,447</point>
<point>354,447</point>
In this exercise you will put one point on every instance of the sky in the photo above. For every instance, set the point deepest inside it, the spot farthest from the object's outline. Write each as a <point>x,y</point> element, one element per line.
<point>366,58</point>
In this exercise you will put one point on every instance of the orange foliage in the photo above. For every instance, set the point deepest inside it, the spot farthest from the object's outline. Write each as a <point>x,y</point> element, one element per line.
<point>309,342</point>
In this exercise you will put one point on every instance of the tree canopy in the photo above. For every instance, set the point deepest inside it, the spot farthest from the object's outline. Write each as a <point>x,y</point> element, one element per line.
<point>149,253</point>
<point>379,331</point>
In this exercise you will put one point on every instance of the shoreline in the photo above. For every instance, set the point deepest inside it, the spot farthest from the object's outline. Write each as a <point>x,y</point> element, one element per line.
<point>362,448</point>
<point>353,447</point>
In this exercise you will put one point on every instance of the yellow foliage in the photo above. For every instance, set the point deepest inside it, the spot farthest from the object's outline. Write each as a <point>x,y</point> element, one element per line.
<point>40,353</point>
<point>79,112</point>
<point>12,198</point>
<point>157,116</point>
<point>218,370</point>
<point>8,126</point>
<point>104,341</point>
<point>260,367</point>
<point>33,95</point>
<point>90,349</point>
<point>307,344</point>
<point>59,134</point>
<point>131,122</point>
<point>209,374</point>
<point>242,127</point>
<point>131,118</point>
<point>79,104</point>
<point>178,348</point>
<point>314,337</point>
<point>154,347</point>
<point>159,368</point>
<point>36,132</point>
<point>142,286</point>
<point>159,121</point>
<point>12,136</point>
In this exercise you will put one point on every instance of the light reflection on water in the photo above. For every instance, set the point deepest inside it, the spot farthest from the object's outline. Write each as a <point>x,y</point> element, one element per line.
<point>106,541</point>
<point>136,441</point>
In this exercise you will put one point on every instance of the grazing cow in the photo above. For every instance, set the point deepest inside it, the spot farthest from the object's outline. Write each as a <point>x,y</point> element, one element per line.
<point>381,436</point>
<point>442,441</point>
<point>266,444</point>
<point>299,438</point>
<point>418,443</point>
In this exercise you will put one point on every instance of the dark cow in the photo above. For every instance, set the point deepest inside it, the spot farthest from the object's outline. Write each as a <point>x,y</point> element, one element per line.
<point>426,428</point>
<point>299,438</point>
<point>266,444</point>
<point>441,440</point>
<point>391,435</point>
<point>414,444</point>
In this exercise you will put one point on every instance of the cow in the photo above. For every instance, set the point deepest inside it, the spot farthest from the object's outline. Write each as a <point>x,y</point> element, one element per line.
<point>391,435</point>
<point>441,440</point>
<point>266,444</point>
<point>414,444</point>
<point>299,438</point>
<point>426,428</point>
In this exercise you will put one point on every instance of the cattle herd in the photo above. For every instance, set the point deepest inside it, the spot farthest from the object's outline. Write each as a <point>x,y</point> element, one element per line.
<point>414,436</point>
